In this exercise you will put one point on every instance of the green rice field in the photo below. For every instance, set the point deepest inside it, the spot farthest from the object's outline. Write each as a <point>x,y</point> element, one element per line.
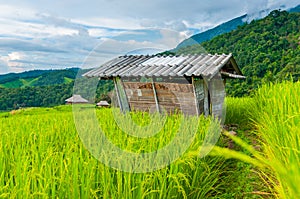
<point>42,154</point>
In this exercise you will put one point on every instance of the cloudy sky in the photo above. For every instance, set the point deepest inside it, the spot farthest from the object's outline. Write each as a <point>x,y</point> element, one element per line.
<point>40,34</point>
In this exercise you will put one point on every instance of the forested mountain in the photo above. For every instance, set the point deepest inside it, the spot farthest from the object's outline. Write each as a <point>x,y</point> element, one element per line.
<point>38,78</point>
<point>45,88</point>
<point>267,50</point>
<point>224,28</point>
<point>14,98</point>
<point>296,9</point>
<point>211,33</point>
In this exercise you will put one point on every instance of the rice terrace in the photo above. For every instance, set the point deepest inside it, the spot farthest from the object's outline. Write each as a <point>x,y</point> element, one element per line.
<point>42,155</point>
<point>189,123</point>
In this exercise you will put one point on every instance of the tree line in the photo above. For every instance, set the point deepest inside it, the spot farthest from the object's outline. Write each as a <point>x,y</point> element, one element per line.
<point>47,96</point>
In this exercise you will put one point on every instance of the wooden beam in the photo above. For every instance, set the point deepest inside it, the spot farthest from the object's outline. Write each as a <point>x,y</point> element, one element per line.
<point>196,100</point>
<point>118,94</point>
<point>206,97</point>
<point>235,66</point>
<point>121,94</point>
<point>155,97</point>
<point>232,75</point>
<point>217,96</point>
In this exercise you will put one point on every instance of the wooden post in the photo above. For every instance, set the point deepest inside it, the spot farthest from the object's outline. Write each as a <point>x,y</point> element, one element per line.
<point>122,98</point>
<point>155,96</point>
<point>196,99</point>
<point>217,95</point>
<point>206,97</point>
<point>118,94</point>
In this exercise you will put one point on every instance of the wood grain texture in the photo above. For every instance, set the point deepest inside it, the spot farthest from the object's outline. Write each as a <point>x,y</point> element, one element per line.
<point>171,97</point>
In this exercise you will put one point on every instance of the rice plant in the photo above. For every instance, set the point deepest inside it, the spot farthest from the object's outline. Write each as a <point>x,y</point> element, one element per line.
<point>238,111</point>
<point>42,156</point>
<point>275,115</point>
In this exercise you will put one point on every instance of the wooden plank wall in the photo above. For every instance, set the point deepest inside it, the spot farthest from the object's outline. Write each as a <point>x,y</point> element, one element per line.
<point>217,95</point>
<point>178,96</point>
<point>140,96</point>
<point>171,97</point>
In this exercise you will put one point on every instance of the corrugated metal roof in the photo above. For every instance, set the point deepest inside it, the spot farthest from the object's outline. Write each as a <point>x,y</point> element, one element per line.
<point>155,65</point>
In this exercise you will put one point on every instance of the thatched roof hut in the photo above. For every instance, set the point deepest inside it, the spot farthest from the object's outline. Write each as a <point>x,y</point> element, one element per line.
<point>103,104</point>
<point>76,99</point>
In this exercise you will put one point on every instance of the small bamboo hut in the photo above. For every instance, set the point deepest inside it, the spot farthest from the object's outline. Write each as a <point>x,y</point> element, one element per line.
<point>76,99</point>
<point>103,104</point>
<point>192,84</point>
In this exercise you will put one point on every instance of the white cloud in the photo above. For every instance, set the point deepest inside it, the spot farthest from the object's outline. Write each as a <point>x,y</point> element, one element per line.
<point>171,38</point>
<point>11,61</point>
<point>102,32</point>
<point>275,4</point>
<point>31,30</point>
<point>113,23</point>
<point>39,34</point>
<point>15,11</point>
<point>143,41</point>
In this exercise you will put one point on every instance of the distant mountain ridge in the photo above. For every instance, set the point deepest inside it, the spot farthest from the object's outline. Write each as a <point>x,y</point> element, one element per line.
<point>223,28</point>
<point>295,9</point>
<point>209,34</point>
<point>38,78</point>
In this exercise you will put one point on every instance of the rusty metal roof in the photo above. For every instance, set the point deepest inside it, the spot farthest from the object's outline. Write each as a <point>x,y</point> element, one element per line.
<point>155,65</point>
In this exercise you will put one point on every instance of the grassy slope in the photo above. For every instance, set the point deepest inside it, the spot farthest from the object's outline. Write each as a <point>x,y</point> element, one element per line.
<point>20,82</point>
<point>12,84</point>
<point>68,80</point>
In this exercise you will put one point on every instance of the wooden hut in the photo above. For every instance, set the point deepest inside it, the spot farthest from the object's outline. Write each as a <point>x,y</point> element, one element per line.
<point>192,84</point>
<point>76,99</point>
<point>103,104</point>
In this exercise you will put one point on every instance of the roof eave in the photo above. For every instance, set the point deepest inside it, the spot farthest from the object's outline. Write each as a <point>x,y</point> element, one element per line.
<point>235,66</point>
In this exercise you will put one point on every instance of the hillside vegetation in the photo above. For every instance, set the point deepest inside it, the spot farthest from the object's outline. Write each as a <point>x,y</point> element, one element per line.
<point>267,50</point>
<point>225,27</point>
<point>45,88</point>
<point>38,78</point>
